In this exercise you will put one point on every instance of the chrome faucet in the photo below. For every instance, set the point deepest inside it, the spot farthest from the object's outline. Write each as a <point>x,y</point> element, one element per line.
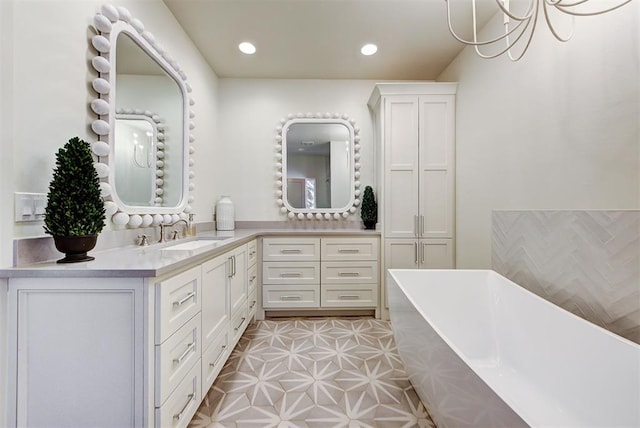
<point>175,234</point>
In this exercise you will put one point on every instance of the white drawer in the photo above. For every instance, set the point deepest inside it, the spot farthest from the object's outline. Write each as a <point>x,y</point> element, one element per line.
<point>290,296</point>
<point>252,253</point>
<point>252,302</point>
<point>239,322</point>
<point>355,295</point>
<point>252,274</point>
<point>175,357</point>
<point>290,249</point>
<point>177,301</point>
<point>291,273</point>
<point>213,359</point>
<point>180,407</point>
<point>345,248</point>
<point>350,272</point>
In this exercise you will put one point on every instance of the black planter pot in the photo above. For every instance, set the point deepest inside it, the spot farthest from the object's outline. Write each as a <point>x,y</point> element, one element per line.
<point>75,247</point>
<point>369,224</point>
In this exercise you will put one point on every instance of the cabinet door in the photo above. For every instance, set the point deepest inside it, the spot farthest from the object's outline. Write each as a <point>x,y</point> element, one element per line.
<point>398,254</point>
<point>401,174</point>
<point>237,277</point>
<point>215,300</point>
<point>437,158</point>
<point>436,254</point>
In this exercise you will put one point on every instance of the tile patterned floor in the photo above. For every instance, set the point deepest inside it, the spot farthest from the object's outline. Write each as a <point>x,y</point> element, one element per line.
<point>314,372</point>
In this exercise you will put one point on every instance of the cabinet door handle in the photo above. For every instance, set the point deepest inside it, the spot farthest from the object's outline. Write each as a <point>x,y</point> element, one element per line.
<point>291,297</point>
<point>240,325</point>
<point>290,274</point>
<point>215,363</point>
<point>348,273</point>
<point>348,250</point>
<point>190,398</point>
<point>421,231</point>
<point>234,266</point>
<point>349,297</point>
<point>422,251</point>
<point>185,299</point>
<point>190,347</point>
<point>415,249</point>
<point>252,304</point>
<point>230,265</point>
<point>415,226</point>
<point>291,251</point>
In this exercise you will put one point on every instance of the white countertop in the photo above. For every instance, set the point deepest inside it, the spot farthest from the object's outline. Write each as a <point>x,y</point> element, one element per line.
<point>155,259</point>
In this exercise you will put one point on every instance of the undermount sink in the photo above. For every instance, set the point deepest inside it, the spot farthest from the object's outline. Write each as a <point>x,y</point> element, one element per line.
<point>193,245</point>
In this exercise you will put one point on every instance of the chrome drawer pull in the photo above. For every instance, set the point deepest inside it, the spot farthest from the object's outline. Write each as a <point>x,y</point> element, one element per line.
<point>252,305</point>
<point>184,408</point>
<point>348,274</point>
<point>348,250</point>
<point>185,299</point>
<point>291,251</point>
<point>215,363</point>
<point>253,278</point>
<point>349,297</point>
<point>290,274</point>
<point>240,325</point>
<point>292,297</point>
<point>190,347</point>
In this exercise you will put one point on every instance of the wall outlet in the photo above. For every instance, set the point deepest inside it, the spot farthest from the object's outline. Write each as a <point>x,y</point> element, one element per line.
<point>29,206</point>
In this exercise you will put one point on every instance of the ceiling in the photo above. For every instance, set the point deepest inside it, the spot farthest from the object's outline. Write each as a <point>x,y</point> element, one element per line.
<point>321,39</point>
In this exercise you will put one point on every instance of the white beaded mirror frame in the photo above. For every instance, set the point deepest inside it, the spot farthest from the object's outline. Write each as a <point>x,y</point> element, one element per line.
<point>110,22</point>
<point>334,213</point>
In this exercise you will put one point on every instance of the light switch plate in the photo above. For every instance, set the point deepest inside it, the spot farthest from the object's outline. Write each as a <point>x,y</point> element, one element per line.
<point>29,206</point>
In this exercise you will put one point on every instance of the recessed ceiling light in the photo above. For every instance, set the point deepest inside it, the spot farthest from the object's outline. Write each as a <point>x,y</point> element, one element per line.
<point>369,49</point>
<point>247,48</point>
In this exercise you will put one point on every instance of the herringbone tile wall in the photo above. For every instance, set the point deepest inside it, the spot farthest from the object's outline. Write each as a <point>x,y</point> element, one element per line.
<point>587,262</point>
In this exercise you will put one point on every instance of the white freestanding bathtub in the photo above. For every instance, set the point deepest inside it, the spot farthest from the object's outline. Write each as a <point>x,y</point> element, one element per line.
<point>481,351</point>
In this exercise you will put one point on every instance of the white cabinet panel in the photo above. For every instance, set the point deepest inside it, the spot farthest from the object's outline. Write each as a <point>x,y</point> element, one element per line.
<point>345,249</point>
<point>353,272</point>
<point>290,296</point>
<point>182,404</point>
<point>436,254</point>
<point>215,300</point>
<point>349,296</point>
<point>290,249</point>
<point>291,273</point>
<point>177,300</point>
<point>213,359</point>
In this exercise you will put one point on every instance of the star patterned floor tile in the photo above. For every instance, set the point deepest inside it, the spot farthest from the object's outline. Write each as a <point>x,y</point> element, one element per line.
<point>313,372</point>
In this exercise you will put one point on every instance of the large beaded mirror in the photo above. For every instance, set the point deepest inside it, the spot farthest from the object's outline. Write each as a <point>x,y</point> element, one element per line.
<point>143,124</point>
<point>318,166</point>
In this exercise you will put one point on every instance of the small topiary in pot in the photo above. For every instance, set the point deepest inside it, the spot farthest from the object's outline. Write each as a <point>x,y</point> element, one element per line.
<point>369,209</point>
<point>75,213</point>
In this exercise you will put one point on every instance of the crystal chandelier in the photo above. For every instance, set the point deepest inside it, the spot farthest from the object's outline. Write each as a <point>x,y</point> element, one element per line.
<point>520,27</point>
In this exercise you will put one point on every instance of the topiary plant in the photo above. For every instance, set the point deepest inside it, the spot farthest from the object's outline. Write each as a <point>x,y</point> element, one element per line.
<point>74,205</point>
<point>369,209</point>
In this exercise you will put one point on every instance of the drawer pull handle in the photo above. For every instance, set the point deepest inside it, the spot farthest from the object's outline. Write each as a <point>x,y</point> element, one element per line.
<point>290,274</point>
<point>291,297</point>
<point>291,251</point>
<point>240,325</point>
<point>349,297</point>
<point>190,398</point>
<point>252,305</point>
<point>253,278</point>
<point>349,274</point>
<point>215,363</point>
<point>348,250</point>
<point>190,347</point>
<point>185,299</point>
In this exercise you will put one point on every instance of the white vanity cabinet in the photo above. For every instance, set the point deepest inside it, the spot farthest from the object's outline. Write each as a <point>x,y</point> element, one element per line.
<point>122,351</point>
<point>252,278</point>
<point>320,273</point>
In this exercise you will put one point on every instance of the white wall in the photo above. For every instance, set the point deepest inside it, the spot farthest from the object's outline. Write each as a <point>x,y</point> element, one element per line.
<point>557,130</point>
<point>51,75</point>
<point>249,111</point>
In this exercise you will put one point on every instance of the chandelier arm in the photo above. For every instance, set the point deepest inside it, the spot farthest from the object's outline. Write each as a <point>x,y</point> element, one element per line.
<point>475,43</point>
<point>510,14</point>
<point>553,29</point>
<point>533,30</point>
<point>565,9</point>
<point>510,45</point>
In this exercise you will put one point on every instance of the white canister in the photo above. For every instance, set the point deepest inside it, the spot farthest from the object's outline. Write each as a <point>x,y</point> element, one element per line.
<point>225,214</point>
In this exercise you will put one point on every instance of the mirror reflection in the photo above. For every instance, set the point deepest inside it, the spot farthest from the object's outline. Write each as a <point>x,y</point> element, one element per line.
<point>148,170</point>
<point>318,165</point>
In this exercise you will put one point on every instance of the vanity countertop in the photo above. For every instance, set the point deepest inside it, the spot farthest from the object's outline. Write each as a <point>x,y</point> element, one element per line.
<point>156,259</point>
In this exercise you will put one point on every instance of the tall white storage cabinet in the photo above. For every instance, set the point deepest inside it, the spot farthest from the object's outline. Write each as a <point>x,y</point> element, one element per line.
<point>415,134</point>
